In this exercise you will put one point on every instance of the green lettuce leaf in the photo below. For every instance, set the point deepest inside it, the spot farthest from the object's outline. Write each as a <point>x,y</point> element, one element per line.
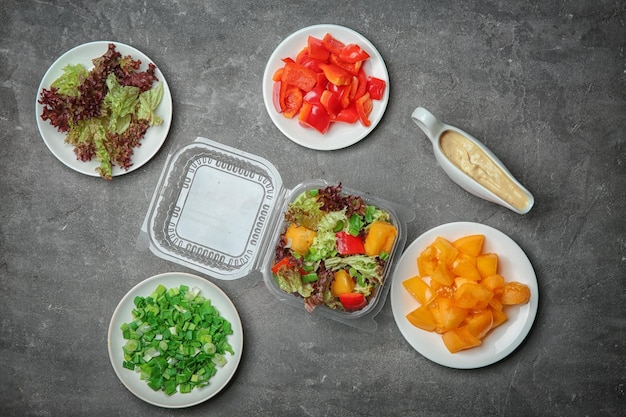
<point>148,103</point>
<point>72,77</point>
<point>102,154</point>
<point>122,103</point>
<point>290,281</point>
<point>325,243</point>
<point>305,210</point>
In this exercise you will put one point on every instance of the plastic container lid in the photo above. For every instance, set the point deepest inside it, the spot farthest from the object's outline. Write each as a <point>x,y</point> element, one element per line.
<point>219,210</point>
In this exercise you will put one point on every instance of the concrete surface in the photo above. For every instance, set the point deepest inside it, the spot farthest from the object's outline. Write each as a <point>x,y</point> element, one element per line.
<point>543,84</point>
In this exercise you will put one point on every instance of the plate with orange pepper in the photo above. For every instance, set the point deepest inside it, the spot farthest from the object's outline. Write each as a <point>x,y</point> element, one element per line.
<point>464,295</point>
<point>326,87</point>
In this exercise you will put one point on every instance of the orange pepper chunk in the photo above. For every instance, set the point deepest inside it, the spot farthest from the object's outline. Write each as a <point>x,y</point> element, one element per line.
<point>459,339</point>
<point>465,295</point>
<point>300,238</point>
<point>471,245</point>
<point>472,296</point>
<point>422,317</point>
<point>487,264</point>
<point>515,293</point>
<point>380,238</point>
<point>480,323</point>
<point>342,283</point>
<point>419,289</point>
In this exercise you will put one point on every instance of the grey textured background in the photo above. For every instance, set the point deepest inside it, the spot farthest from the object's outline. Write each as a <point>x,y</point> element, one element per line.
<point>543,84</point>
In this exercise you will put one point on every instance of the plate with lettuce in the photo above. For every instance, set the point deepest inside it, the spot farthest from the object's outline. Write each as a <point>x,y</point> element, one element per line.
<point>103,109</point>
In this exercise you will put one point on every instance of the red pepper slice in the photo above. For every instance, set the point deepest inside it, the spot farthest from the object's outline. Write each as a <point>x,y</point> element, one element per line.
<point>293,101</point>
<point>317,49</point>
<point>348,244</point>
<point>353,301</point>
<point>336,75</point>
<point>276,96</point>
<point>283,262</point>
<point>347,115</point>
<point>315,95</point>
<point>352,53</point>
<point>315,116</point>
<point>364,107</point>
<point>362,87</point>
<point>343,92</point>
<point>278,75</point>
<point>331,103</point>
<point>298,76</point>
<point>333,45</point>
<point>376,88</point>
<point>352,68</point>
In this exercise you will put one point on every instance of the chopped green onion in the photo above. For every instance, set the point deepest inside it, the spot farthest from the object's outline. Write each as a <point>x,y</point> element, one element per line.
<point>312,277</point>
<point>355,224</point>
<point>369,213</point>
<point>176,339</point>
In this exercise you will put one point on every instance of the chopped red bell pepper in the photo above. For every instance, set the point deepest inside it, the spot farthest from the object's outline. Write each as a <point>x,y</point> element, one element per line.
<point>336,75</point>
<point>317,50</point>
<point>352,53</point>
<point>334,45</point>
<point>364,107</point>
<point>376,88</point>
<point>304,58</point>
<point>331,103</point>
<point>343,92</point>
<point>278,75</point>
<point>353,68</point>
<point>298,76</point>
<point>276,90</point>
<point>326,83</point>
<point>347,115</point>
<point>348,244</point>
<point>293,101</point>
<point>315,95</point>
<point>353,301</point>
<point>283,262</point>
<point>362,86</point>
<point>315,116</point>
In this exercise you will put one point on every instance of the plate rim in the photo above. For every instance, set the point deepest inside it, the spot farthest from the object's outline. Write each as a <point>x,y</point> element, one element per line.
<point>325,142</point>
<point>60,150</point>
<point>207,289</point>
<point>464,359</point>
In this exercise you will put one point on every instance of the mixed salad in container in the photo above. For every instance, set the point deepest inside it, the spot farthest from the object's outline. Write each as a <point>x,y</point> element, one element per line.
<point>334,249</point>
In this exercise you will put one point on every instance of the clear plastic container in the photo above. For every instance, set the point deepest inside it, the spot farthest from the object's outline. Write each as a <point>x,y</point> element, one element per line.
<point>220,211</point>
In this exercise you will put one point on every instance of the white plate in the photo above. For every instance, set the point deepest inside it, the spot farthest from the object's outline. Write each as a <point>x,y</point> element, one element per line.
<point>339,135</point>
<point>513,264</point>
<point>55,140</point>
<point>123,314</point>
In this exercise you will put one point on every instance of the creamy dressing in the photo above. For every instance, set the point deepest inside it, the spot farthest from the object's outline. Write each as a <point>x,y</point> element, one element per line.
<point>473,161</point>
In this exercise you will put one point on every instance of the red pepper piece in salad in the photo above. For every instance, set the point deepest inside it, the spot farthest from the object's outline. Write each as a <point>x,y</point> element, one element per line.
<point>349,245</point>
<point>353,301</point>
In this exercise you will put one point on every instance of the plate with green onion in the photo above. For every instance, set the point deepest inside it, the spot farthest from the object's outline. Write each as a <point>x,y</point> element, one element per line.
<point>175,340</point>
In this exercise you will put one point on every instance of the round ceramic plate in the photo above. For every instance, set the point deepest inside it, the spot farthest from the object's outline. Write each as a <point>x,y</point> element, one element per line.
<point>55,140</point>
<point>123,315</point>
<point>339,135</point>
<point>513,265</point>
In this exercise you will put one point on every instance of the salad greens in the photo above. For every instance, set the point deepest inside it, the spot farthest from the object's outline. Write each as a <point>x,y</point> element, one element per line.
<point>340,224</point>
<point>177,339</point>
<point>106,111</point>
